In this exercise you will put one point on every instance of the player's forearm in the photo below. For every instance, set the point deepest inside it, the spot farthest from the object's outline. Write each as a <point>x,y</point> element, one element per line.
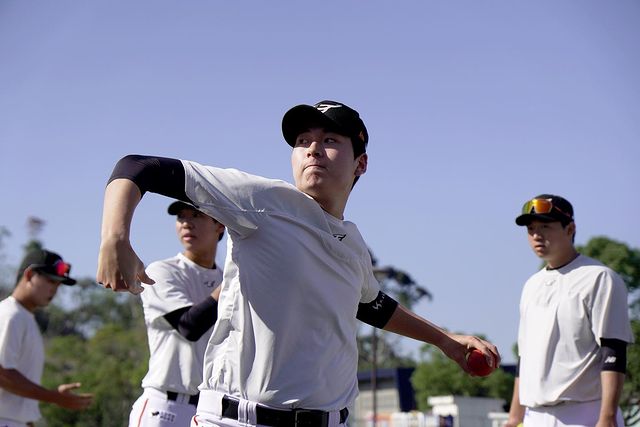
<point>409,324</point>
<point>120,200</point>
<point>612,383</point>
<point>516,410</point>
<point>14,382</point>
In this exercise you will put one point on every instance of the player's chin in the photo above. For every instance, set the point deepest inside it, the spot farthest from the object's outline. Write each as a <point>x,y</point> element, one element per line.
<point>541,251</point>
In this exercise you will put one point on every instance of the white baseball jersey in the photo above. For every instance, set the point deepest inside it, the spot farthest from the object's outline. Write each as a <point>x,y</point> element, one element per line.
<point>563,314</point>
<point>22,349</point>
<point>175,363</point>
<point>294,275</point>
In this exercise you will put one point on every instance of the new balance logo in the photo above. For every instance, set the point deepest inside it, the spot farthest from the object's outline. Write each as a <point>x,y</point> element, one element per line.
<point>610,359</point>
<point>326,107</point>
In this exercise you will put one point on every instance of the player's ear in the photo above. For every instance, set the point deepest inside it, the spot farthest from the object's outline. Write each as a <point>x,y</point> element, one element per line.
<point>28,273</point>
<point>571,228</point>
<point>361,165</point>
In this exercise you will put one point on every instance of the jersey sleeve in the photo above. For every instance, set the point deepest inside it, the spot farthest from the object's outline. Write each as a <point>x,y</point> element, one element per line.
<point>235,198</point>
<point>371,286</point>
<point>11,335</point>
<point>167,294</point>
<point>609,312</point>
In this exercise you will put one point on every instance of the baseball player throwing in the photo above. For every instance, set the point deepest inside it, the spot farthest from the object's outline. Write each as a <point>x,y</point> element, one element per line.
<point>297,275</point>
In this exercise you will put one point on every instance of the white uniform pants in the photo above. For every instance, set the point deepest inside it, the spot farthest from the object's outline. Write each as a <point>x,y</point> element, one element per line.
<point>153,409</point>
<point>210,410</point>
<point>566,415</point>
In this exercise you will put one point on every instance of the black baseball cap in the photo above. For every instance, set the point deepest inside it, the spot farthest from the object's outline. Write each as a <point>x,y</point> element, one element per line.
<point>546,207</point>
<point>175,207</point>
<point>331,115</point>
<point>48,263</point>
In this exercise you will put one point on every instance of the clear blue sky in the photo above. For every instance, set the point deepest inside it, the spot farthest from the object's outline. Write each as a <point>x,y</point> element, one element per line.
<point>472,108</point>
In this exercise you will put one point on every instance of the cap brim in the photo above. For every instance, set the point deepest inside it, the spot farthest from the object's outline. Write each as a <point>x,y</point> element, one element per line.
<point>175,207</point>
<point>299,118</point>
<point>525,219</point>
<point>62,279</point>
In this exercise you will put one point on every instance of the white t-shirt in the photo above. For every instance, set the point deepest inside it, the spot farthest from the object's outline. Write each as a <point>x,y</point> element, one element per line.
<point>563,315</point>
<point>175,363</point>
<point>294,275</point>
<point>22,349</point>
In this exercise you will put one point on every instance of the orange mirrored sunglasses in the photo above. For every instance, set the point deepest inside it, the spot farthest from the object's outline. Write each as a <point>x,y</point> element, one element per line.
<point>541,206</point>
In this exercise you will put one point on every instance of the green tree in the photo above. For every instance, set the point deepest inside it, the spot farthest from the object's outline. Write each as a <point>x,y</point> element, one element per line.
<point>100,341</point>
<point>110,365</point>
<point>437,375</point>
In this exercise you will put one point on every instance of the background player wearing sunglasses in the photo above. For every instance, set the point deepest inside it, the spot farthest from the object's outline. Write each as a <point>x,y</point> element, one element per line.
<point>297,275</point>
<point>21,346</point>
<point>574,329</point>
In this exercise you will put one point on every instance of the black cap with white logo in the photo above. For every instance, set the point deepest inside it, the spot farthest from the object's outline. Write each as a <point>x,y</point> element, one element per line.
<point>331,115</point>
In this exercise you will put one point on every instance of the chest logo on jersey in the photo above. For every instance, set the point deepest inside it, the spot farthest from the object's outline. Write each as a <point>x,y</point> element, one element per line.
<point>209,283</point>
<point>340,236</point>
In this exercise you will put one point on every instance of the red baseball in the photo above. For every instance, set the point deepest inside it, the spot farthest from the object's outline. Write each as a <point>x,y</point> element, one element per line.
<point>478,364</point>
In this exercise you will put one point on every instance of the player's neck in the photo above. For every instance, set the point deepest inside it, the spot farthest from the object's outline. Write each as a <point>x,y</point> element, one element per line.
<point>562,260</point>
<point>206,260</point>
<point>20,295</point>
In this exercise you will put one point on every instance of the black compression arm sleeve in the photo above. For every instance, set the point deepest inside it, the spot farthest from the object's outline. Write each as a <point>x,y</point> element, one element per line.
<point>377,312</point>
<point>614,355</point>
<point>192,322</point>
<point>155,174</point>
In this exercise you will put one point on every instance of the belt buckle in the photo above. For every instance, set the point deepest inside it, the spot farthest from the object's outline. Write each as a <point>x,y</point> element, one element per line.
<point>310,418</point>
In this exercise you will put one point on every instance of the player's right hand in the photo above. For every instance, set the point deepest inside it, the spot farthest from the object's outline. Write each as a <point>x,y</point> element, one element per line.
<point>119,268</point>
<point>69,400</point>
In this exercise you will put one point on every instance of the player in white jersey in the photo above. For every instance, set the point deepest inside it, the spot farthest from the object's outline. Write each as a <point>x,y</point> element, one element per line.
<point>21,345</point>
<point>180,309</point>
<point>297,275</point>
<point>574,329</point>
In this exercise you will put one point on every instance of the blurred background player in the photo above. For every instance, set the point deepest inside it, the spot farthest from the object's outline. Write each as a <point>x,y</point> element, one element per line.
<point>574,329</point>
<point>179,311</point>
<point>21,344</point>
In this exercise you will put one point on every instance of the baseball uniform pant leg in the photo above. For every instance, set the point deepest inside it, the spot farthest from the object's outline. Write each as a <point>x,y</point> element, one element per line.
<point>583,414</point>
<point>153,409</point>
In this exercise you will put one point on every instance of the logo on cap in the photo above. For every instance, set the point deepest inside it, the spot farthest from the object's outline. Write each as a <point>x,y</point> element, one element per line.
<point>326,107</point>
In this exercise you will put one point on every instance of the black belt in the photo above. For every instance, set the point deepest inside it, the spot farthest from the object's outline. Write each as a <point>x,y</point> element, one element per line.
<point>173,396</point>
<point>283,418</point>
